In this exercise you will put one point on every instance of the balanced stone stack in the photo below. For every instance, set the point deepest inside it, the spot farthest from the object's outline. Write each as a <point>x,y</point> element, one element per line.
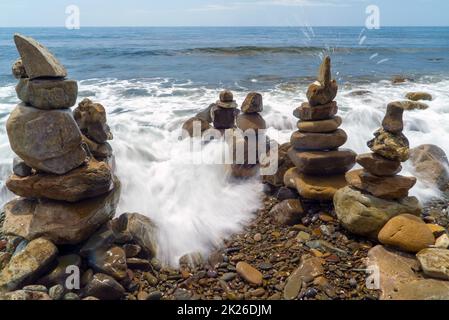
<point>67,194</point>
<point>377,193</point>
<point>251,124</point>
<point>224,111</point>
<point>320,164</point>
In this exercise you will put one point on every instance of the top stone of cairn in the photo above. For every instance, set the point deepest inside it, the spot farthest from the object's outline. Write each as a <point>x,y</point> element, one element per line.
<point>38,61</point>
<point>325,89</point>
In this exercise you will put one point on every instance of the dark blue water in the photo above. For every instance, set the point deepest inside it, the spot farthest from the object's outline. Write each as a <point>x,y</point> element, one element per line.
<point>249,57</point>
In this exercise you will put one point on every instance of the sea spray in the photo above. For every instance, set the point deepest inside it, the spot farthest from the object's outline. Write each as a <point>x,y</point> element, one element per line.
<point>196,207</point>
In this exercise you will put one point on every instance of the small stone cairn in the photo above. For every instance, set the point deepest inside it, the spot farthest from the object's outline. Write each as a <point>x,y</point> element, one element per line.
<point>320,165</point>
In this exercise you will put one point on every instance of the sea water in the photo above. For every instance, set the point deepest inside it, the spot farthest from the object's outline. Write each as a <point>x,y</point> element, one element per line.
<point>153,79</point>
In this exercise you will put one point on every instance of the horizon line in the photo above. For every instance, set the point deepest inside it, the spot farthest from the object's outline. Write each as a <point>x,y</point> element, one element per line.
<point>230,26</point>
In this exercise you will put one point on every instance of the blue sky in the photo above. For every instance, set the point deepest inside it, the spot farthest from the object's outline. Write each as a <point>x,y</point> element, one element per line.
<point>17,13</point>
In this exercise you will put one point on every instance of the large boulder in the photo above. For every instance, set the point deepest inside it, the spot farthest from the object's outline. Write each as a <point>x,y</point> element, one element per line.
<point>431,165</point>
<point>91,119</point>
<point>87,181</point>
<point>46,140</point>
<point>38,61</point>
<point>408,233</point>
<point>61,222</point>
<point>28,264</point>
<point>365,215</point>
<point>48,94</point>
<point>397,279</point>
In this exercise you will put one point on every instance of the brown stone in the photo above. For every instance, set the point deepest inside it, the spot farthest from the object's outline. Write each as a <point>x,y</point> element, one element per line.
<point>398,279</point>
<point>205,114</point>
<point>37,60</point>
<point>189,126</point>
<point>253,103</point>
<point>408,233</point>
<point>389,188</point>
<point>288,212</point>
<point>306,112</point>
<point>323,126</point>
<point>365,215</point>
<point>18,70</point>
<point>244,171</point>
<point>91,119</point>
<point>393,121</point>
<point>100,151</point>
<point>413,105</point>
<point>111,261</point>
<point>27,265</point>
<point>284,163</point>
<point>431,165</point>
<point>248,121</point>
<point>249,273</point>
<point>416,96</point>
<point>323,163</point>
<point>61,222</point>
<point>226,96</point>
<point>391,146</point>
<point>378,165</point>
<point>435,262</point>
<point>104,287</point>
<point>321,188</point>
<point>48,140</point>
<point>318,141</point>
<point>223,118</point>
<point>87,181</point>
<point>48,94</point>
<point>325,89</point>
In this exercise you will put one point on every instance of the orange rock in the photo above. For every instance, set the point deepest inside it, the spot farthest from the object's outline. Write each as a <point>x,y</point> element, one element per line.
<point>249,273</point>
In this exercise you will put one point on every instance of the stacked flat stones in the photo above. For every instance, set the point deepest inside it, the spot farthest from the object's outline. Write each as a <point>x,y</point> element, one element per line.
<point>379,176</point>
<point>67,193</point>
<point>224,111</point>
<point>250,121</point>
<point>320,164</point>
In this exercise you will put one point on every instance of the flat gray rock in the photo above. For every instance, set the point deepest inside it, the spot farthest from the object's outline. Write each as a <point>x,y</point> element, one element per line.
<point>46,140</point>
<point>48,94</point>
<point>38,61</point>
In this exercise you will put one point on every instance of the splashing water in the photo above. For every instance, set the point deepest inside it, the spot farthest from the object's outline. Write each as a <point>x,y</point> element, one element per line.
<point>197,206</point>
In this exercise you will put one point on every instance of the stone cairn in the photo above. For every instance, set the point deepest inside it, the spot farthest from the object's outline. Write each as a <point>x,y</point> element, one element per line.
<point>67,191</point>
<point>319,163</point>
<point>249,121</point>
<point>386,191</point>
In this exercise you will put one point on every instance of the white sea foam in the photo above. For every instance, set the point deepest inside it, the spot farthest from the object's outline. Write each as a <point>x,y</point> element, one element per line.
<point>196,207</point>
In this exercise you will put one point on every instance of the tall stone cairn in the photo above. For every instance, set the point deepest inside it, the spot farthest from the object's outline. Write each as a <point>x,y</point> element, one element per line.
<point>320,165</point>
